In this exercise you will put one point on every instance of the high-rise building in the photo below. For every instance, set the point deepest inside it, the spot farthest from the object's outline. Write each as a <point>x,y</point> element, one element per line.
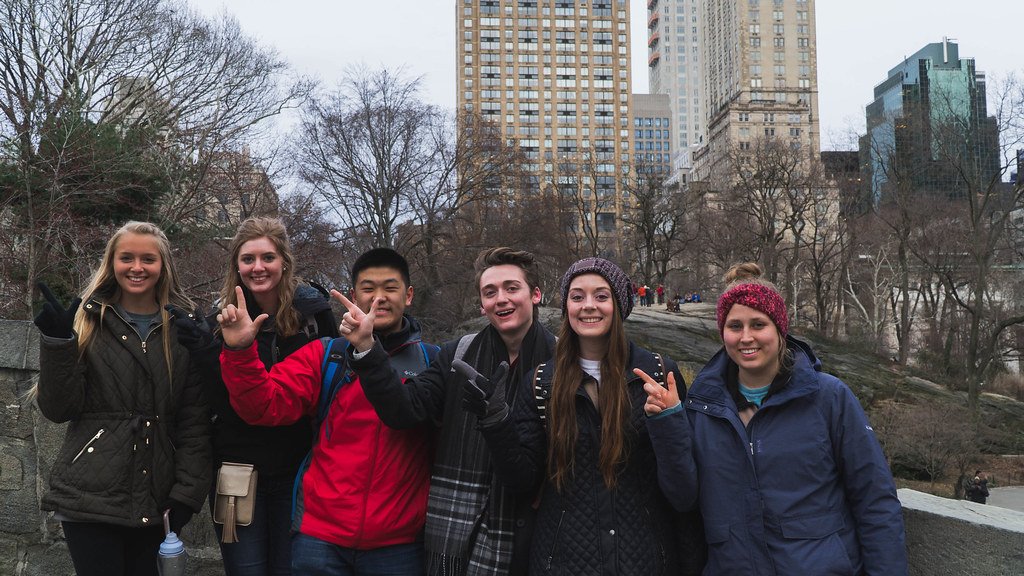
<point>673,58</point>
<point>759,62</point>
<point>652,135</point>
<point>925,96</point>
<point>555,75</point>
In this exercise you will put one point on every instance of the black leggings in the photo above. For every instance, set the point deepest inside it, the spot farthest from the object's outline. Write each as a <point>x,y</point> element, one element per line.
<point>107,550</point>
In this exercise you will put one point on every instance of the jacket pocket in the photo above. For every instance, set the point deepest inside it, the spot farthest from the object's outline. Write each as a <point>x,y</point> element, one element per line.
<point>88,448</point>
<point>814,545</point>
<point>93,461</point>
<point>728,549</point>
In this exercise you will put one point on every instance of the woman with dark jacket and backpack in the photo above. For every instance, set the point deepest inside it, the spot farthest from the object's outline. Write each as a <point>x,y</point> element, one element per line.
<point>792,479</point>
<point>137,441</point>
<point>260,260</point>
<point>608,446</point>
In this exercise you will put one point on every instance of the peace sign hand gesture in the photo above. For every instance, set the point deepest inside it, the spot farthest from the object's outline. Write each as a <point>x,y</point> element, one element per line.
<point>237,329</point>
<point>356,325</point>
<point>659,398</point>
<point>54,320</point>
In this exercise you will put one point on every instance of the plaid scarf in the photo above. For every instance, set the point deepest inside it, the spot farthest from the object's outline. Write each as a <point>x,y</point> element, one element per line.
<point>471,516</point>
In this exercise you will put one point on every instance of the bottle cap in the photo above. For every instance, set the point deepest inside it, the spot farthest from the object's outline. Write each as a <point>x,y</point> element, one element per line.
<point>171,546</point>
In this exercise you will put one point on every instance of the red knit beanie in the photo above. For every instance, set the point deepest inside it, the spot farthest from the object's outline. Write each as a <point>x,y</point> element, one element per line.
<point>760,297</point>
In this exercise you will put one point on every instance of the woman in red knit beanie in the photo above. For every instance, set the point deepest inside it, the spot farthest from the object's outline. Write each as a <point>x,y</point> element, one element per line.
<point>792,479</point>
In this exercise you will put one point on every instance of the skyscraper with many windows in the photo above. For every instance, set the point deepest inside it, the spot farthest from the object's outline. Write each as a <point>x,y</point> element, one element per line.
<point>759,63</point>
<point>673,58</point>
<point>555,75</point>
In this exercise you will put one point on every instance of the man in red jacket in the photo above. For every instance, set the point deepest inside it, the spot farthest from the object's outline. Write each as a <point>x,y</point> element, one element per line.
<point>361,497</point>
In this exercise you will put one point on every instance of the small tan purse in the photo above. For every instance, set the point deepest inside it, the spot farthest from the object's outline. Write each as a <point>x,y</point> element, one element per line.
<point>236,498</point>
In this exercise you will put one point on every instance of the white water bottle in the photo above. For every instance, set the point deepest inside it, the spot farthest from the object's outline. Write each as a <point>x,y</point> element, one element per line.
<point>170,560</point>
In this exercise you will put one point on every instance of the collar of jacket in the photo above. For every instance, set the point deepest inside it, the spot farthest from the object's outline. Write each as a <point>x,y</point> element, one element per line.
<point>409,333</point>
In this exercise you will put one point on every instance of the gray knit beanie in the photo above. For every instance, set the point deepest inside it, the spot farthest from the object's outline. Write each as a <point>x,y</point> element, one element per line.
<point>622,288</point>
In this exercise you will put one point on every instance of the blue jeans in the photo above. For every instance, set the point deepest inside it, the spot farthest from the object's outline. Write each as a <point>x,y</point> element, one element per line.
<point>264,547</point>
<point>314,557</point>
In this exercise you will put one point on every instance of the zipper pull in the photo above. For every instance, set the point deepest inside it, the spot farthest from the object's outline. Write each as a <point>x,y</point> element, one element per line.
<point>751,448</point>
<point>143,346</point>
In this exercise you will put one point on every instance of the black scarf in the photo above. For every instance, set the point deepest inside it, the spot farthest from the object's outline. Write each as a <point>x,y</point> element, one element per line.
<point>470,514</point>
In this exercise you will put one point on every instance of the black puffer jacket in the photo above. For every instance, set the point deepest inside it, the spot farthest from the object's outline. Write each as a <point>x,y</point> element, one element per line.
<point>274,450</point>
<point>137,437</point>
<point>588,529</point>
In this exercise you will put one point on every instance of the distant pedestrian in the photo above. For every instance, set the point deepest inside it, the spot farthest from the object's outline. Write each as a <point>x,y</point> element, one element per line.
<point>660,291</point>
<point>977,487</point>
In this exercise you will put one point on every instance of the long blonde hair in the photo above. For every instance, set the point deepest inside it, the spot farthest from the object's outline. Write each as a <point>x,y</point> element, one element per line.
<point>612,397</point>
<point>104,289</point>
<point>287,320</point>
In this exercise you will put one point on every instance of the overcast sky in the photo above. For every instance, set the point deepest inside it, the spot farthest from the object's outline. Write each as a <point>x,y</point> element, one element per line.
<point>858,42</point>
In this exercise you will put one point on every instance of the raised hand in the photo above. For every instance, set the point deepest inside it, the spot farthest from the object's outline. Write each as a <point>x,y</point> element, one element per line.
<point>659,397</point>
<point>236,327</point>
<point>356,325</point>
<point>54,320</point>
<point>482,396</point>
<point>194,331</point>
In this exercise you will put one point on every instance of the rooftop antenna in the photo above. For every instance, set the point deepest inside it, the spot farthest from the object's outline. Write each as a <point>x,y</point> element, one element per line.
<point>945,49</point>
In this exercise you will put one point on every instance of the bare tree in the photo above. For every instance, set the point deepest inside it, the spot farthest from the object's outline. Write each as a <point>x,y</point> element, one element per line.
<point>973,236</point>
<point>366,147</point>
<point>588,191</point>
<point>149,73</point>
<point>768,193</point>
<point>661,221</point>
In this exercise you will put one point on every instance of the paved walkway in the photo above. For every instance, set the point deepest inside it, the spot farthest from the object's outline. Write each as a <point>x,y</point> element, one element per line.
<point>1011,497</point>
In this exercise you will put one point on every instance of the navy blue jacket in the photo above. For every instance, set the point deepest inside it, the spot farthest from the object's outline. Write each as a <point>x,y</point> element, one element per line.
<point>803,489</point>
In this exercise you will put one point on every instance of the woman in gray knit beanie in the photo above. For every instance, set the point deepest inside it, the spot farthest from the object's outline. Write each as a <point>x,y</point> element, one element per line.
<point>605,440</point>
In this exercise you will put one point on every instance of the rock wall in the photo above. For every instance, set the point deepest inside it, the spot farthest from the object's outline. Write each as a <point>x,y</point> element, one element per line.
<point>955,537</point>
<point>31,542</point>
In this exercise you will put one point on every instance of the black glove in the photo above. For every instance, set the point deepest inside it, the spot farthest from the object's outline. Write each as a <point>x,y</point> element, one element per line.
<point>194,332</point>
<point>180,515</point>
<point>481,396</point>
<point>54,320</point>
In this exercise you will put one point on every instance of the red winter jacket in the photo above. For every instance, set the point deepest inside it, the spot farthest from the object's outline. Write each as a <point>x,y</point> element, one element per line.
<point>366,484</point>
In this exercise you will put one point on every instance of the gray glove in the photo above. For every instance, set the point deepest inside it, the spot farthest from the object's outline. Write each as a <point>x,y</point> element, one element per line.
<point>481,396</point>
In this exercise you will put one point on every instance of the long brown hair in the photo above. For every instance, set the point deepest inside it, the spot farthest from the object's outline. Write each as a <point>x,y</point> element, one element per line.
<point>287,321</point>
<point>612,398</point>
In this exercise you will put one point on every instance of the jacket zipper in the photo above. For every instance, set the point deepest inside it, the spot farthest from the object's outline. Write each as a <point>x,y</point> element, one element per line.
<point>142,338</point>
<point>87,444</point>
<point>554,541</point>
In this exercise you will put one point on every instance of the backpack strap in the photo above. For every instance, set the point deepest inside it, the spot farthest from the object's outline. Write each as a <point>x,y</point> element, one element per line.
<point>336,373</point>
<point>660,375</point>
<point>541,393</point>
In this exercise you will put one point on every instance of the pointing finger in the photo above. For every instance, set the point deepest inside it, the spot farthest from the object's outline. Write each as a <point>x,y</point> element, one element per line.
<point>240,297</point>
<point>644,376</point>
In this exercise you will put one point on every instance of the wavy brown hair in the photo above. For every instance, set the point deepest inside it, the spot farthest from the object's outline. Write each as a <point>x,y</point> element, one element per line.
<point>287,321</point>
<point>612,398</point>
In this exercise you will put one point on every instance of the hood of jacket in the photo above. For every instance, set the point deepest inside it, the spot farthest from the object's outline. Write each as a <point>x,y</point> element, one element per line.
<point>310,301</point>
